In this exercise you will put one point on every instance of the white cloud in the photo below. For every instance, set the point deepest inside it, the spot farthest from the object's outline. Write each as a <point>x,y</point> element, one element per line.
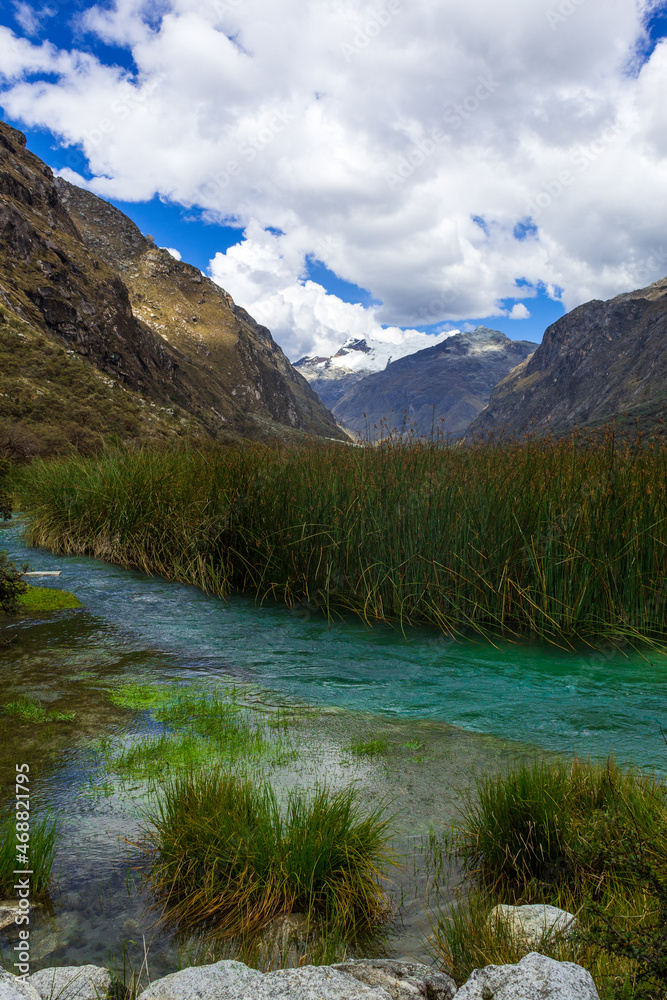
<point>519,311</point>
<point>266,274</point>
<point>258,110</point>
<point>26,18</point>
<point>174,253</point>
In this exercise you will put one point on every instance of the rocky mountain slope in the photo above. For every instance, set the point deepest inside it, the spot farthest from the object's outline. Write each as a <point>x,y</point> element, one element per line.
<point>603,362</point>
<point>165,347</point>
<point>443,387</point>
<point>331,377</point>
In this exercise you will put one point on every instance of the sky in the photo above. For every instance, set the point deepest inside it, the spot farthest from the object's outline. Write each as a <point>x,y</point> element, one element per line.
<point>347,168</point>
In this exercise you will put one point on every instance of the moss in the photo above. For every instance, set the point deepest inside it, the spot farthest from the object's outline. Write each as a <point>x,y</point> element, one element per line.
<point>47,599</point>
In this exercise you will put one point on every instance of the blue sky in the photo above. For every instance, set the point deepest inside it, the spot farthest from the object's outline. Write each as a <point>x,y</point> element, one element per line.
<point>343,223</point>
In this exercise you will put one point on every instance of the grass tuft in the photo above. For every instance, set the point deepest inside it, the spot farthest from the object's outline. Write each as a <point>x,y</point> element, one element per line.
<point>222,852</point>
<point>47,599</point>
<point>376,747</point>
<point>568,834</point>
<point>198,725</point>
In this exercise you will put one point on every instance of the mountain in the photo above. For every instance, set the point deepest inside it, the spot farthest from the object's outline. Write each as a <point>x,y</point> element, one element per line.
<point>442,387</point>
<point>103,333</point>
<point>603,362</point>
<point>331,377</point>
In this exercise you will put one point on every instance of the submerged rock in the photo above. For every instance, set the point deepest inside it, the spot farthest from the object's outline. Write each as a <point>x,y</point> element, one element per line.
<point>71,982</point>
<point>234,981</point>
<point>12,988</point>
<point>401,980</point>
<point>531,925</point>
<point>9,910</point>
<point>535,977</point>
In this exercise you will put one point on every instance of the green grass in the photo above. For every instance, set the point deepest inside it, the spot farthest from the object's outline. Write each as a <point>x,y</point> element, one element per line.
<point>568,834</point>
<point>198,726</point>
<point>376,747</point>
<point>47,599</point>
<point>29,710</point>
<point>557,823</point>
<point>222,851</point>
<point>566,540</point>
<point>139,696</point>
<point>43,841</point>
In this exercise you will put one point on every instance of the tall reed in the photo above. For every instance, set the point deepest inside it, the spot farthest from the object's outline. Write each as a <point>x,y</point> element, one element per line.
<point>564,539</point>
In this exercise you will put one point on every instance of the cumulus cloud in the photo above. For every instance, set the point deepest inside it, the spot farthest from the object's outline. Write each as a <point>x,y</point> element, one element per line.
<point>267,273</point>
<point>174,253</point>
<point>433,154</point>
<point>519,311</point>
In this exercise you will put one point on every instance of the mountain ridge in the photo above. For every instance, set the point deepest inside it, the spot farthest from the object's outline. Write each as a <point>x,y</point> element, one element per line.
<point>357,358</point>
<point>438,389</point>
<point>80,283</point>
<point>604,362</point>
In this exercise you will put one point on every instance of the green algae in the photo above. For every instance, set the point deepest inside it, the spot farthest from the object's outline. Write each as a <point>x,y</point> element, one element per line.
<point>47,599</point>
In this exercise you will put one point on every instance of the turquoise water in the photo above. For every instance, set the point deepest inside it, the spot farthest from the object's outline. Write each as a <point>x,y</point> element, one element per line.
<point>591,703</point>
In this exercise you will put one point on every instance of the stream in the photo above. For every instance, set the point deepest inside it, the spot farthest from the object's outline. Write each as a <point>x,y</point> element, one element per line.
<point>444,710</point>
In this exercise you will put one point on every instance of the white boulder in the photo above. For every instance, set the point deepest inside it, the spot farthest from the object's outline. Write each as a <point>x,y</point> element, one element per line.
<point>12,988</point>
<point>234,981</point>
<point>223,981</point>
<point>72,982</point>
<point>535,977</point>
<point>534,924</point>
<point>401,980</point>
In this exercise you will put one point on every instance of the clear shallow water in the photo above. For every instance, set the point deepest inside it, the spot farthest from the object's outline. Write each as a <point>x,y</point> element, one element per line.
<point>561,702</point>
<point>446,710</point>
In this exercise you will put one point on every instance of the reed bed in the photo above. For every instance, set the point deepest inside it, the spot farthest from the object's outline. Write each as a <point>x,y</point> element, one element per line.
<point>563,539</point>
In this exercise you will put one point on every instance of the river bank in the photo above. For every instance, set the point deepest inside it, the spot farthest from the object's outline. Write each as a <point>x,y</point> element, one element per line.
<point>560,540</point>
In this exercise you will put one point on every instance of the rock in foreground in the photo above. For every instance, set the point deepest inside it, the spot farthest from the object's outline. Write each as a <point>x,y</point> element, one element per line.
<point>401,980</point>
<point>71,982</point>
<point>535,977</point>
<point>12,988</point>
<point>234,981</point>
